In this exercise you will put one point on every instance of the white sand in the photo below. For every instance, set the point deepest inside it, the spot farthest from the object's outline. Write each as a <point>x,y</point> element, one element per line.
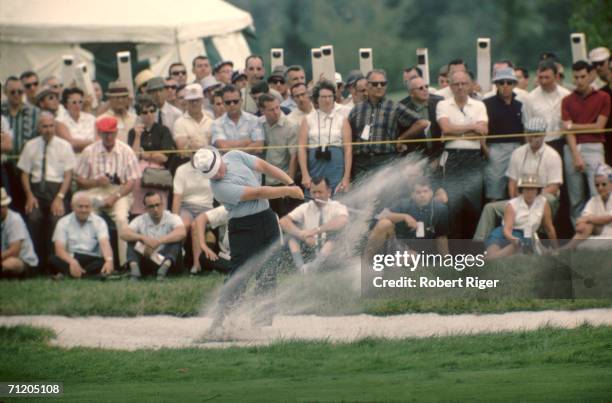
<point>153,332</point>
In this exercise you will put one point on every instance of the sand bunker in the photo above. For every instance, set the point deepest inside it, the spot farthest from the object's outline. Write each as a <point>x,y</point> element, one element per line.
<point>154,332</point>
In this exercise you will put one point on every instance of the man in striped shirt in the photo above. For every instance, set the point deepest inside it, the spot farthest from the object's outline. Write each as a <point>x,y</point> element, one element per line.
<point>107,170</point>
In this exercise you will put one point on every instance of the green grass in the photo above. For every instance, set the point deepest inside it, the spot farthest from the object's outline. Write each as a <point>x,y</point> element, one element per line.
<point>322,294</point>
<point>544,365</point>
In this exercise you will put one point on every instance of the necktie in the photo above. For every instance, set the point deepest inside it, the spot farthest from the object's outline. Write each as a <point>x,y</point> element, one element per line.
<point>43,169</point>
<point>159,117</point>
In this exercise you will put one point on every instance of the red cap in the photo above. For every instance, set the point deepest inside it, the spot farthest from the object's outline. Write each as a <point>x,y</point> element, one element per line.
<point>107,124</point>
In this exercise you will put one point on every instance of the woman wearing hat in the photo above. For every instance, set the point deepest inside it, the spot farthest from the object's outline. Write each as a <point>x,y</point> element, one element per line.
<point>523,216</point>
<point>325,141</point>
<point>253,227</point>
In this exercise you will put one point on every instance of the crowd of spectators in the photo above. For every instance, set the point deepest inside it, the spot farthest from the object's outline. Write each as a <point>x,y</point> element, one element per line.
<point>89,191</point>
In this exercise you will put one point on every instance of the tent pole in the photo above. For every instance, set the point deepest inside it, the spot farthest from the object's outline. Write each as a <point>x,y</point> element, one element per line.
<point>178,48</point>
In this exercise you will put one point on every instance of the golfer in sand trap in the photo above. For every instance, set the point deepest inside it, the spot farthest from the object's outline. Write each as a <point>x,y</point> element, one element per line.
<point>234,180</point>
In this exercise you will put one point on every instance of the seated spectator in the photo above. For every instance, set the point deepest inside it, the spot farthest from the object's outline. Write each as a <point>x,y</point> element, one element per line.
<point>148,139</point>
<point>523,216</point>
<point>419,217</point>
<point>81,125</point>
<point>192,197</point>
<point>119,102</point>
<point>324,140</point>
<point>46,165</point>
<point>218,106</point>
<point>192,131</point>
<point>171,87</point>
<point>236,128</point>
<point>154,239</point>
<point>535,157</point>
<point>595,222</point>
<point>315,223</point>
<point>17,253</point>
<point>108,169</point>
<point>81,239</point>
<point>217,257</point>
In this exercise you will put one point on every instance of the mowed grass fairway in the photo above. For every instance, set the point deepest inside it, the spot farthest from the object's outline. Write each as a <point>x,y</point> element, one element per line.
<point>546,365</point>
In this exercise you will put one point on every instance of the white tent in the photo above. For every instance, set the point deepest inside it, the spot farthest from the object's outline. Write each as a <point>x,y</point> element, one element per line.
<point>34,34</point>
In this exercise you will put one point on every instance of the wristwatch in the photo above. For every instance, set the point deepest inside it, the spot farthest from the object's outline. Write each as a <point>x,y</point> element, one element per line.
<point>60,195</point>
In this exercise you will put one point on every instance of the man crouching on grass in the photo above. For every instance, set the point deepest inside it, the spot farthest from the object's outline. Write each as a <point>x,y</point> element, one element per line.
<point>319,220</point>
<point>154,239</point>
<point>253,227</point>
<point>82,246</point>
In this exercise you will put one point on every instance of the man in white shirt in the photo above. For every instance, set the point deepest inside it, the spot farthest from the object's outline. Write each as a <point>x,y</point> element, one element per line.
<point>299,93</point>
<point>192,131</point>
<point>214,258</point>
<point>544,102</point>
<point>46,165</point>
<point>168,114</point>
<point>314,223</point>
<point>534,157</point>
<point>154,239</point>
<point>459,117</point>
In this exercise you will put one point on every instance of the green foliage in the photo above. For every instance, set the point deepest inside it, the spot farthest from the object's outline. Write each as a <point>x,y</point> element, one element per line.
<point>519,29</point>
<point>544,365</point>
<point>594,18</point>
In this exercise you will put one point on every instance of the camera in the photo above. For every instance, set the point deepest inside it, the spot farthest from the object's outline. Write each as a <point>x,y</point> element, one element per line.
<point>114,179</point>
<point>323,153</point>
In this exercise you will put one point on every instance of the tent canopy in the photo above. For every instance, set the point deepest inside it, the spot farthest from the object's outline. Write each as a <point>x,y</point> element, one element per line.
<point>79,21</point>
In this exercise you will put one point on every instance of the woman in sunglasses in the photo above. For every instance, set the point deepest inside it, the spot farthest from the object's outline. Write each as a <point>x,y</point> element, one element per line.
<point>147,138</point>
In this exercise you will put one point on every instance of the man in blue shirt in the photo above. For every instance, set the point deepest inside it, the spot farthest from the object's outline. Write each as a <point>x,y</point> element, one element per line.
<point>253,227</point>
<point>17,250</point>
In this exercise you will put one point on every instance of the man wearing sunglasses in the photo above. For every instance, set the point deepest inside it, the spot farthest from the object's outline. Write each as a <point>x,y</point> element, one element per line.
<point>505,117</point>
<point>22,117</point>
<point>380,119</point>
<point>30,82</point>
<point>236,128</point>
<point>178,71</point>
<point>424,103</point>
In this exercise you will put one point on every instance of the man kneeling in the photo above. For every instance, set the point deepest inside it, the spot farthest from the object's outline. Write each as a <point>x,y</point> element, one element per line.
<point>154,239</point>
<point>80,240</point>
<point>318,220</point>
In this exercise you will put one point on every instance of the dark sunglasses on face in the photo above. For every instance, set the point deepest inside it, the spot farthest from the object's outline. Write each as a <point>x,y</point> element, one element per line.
<point>597,64</point>
<point>171,87</point>
<point>232,101</point>
<point>505,82</point>
<point>378,83</point>
<point>277,81</point>
<point>30,85</point>
<point>181,72</point>
<point>148,111</point>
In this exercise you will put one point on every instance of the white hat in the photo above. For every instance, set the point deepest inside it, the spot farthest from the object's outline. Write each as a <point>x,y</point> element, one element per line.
<point>5,199</point>
<point>193,91</point>
<point>603,170</point>
<point>600,54</point>
<point>207,160</point>
<point>209,82</point>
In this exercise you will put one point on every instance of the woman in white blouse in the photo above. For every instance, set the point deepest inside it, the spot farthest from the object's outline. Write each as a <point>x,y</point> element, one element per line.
<point>325,141</point>
<point>523,216</point>
<point>82,125</point>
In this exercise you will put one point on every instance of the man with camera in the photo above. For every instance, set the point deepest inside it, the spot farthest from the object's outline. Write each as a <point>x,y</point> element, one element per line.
<point>107,170</point>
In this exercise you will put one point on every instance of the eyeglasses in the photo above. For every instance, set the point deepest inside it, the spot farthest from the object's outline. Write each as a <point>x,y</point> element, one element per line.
<point>148,111</point>
<point>505,82</point>
<point>597,64</point>
<point>277,81</point>
<point>30,85</point>
<point>181,72</point>
<point>600,185</point>
<point>171,87</point>
<point>152,206</point>
<point>232,101</point>
<point>378,83</point>
<point>14,92</point>
<point>422,87</point>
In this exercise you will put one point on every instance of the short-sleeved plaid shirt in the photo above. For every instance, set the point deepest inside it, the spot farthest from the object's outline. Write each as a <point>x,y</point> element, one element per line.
<point>387,120</point>
<point>23,125</point>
